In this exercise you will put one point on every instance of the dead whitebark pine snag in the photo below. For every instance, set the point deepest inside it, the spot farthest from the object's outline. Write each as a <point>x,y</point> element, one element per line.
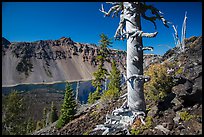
<point>180,43</point>
<point>130,28</point>
<point>77,91</point>
<point>183,35</point>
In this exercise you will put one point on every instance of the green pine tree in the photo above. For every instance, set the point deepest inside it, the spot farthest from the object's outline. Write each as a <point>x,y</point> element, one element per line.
<point>99,77</point>
<point>13,120</point>
<point>68,108</point>
<point>101,73</point>
<point>44,117</point>
<point>53,114</point>
<point>93,96</point>
<point>104,53</point>
<point>30,126</point>
<point>114,85</point>
<point>114,77</point>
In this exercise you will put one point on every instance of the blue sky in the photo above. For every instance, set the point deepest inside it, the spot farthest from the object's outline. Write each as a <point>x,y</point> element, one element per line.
<point>83,22</point>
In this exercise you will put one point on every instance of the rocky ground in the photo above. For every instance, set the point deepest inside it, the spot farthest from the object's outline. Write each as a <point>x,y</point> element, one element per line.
<point>85,120</point>
<point>180,113</point>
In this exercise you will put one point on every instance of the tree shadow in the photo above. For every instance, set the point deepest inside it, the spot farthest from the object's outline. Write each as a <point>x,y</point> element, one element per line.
<point>166,102</point>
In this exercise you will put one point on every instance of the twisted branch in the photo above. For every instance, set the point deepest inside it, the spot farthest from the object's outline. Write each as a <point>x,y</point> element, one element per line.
<point>139,77</point>
<point>177,41</point>
<point>114,9</point>
<point>148,48</point>
<point>154,11</point>
<point>138,33</point>
<point>120,32</point>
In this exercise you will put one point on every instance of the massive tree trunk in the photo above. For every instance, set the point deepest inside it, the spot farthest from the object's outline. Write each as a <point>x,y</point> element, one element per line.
<point>130,19</point>
<point>136,100</point>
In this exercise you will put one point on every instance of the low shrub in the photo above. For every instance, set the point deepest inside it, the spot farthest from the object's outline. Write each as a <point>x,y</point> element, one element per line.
<point>160,82</point>
<point>185,116</point>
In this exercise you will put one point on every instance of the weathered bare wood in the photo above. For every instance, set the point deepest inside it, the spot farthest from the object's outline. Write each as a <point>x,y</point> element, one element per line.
<point>130,28</point>
<point>77,90</point>
<point>180,43</point>
<point>148,48</point>
<point>183,35</point>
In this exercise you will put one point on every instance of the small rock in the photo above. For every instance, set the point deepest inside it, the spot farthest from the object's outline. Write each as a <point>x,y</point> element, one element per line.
<point>188,86</point>
<point>164,125</point>
<point>180,127</point>
<point>199,119</point>
<point>176,101</point>
<point>159,132</point>
<point>172,132</point>
<point>195,106</point>
<point>148,132</point>
<point>176,119</point>
<point>161,128</point>
<point>170,125</point>
<point>153,111</point>
<point>195,63</point>
<point>179,90</point>
<point>183,132</point>
<point>177,107</point>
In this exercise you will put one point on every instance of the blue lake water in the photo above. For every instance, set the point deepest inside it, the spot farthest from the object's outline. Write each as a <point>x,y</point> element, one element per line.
<point>84,89</point>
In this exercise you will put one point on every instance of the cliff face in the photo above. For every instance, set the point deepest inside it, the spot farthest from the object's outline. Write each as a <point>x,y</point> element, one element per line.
<point>51,60</point>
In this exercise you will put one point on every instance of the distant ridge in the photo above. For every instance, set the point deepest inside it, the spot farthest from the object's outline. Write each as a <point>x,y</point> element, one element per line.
<point>46,61</point>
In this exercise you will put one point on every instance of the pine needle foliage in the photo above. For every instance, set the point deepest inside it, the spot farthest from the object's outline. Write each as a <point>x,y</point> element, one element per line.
<point>68,108</point>
<point>114,85</point>
<point>53,114</point>
<point>101,73</point>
